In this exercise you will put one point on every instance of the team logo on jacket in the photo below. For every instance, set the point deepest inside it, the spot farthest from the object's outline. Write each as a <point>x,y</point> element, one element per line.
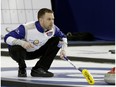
<point>36,42</point>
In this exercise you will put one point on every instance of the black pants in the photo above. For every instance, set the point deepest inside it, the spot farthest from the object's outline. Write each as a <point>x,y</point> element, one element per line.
<point>46,53</point>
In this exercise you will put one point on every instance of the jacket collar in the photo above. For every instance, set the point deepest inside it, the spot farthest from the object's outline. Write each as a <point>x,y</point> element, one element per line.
<point>38,26</point>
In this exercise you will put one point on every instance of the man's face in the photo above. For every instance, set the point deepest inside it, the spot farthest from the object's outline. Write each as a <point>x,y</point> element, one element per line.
<point>47,21</point>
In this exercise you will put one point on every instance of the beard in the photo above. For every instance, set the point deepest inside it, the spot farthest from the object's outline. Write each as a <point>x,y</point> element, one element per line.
<point>49,27</point>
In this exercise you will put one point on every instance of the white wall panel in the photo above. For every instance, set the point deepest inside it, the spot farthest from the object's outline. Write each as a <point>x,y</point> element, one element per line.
<point>21,16</point>
<point>28,4</point>
<point>14,17</point>
<point>12,4</point>
<point>37,4</point>
<point>20,4</point>
<point>4,4</point>
<point>29,15</point>
<point>16,12</point>
<point>6,16</point>
<point>2,21</point>
<point>35,14</point>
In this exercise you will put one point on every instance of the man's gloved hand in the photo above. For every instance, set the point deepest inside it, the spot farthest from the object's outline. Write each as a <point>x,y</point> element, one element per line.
<point>62,54</point>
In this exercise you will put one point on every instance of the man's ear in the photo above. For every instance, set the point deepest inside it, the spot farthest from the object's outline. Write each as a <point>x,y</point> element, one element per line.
<point>40,19</point>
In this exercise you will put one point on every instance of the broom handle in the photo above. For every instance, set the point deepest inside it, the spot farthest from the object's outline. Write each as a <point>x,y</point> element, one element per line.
<point>72,64</point>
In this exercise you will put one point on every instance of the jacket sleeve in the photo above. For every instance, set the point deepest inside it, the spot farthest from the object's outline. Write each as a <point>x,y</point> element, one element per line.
<point>62,36</point>
<point>59,33</point>
<point>18,33</point>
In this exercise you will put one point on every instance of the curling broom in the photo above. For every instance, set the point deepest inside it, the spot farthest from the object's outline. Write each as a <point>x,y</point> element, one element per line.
<point>85,73</point>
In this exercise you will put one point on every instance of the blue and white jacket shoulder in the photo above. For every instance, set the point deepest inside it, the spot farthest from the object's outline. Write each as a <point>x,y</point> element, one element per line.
<point>31,32</point>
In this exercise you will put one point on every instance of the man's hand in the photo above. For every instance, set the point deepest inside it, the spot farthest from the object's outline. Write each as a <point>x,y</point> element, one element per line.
<point>62,54</point>
<point>22,43</point>
<point>27,45</point>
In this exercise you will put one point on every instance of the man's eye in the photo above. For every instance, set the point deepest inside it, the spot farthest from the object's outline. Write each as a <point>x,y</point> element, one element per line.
<point>50,19</point>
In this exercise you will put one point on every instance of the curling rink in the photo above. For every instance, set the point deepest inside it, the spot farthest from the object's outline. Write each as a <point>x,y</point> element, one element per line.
<point>90,29</point>
<point>65,75</point>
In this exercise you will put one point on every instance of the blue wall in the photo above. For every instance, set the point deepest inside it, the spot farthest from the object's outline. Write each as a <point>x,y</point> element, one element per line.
<point>94,16</point>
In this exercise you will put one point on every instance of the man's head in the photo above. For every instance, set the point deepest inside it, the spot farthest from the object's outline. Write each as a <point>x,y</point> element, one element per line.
<point>46,18</point>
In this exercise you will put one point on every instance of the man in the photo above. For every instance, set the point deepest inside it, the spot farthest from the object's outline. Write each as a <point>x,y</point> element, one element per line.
<point>36,39</point>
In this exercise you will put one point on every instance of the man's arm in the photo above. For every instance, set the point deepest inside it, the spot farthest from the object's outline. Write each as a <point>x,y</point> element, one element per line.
<point>63,42</point>
<point>16,37</point>
<point>18,33</point>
